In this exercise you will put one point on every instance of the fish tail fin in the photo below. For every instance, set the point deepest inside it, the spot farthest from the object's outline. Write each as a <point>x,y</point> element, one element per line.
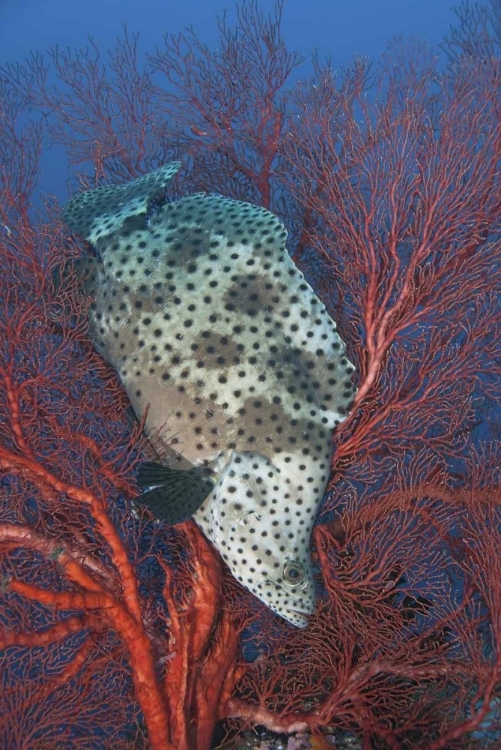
<point>176,494</point>
<point>100,212</point>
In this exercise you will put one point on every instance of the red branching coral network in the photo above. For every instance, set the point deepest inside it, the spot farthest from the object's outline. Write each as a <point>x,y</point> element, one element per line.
<point>118,632</point>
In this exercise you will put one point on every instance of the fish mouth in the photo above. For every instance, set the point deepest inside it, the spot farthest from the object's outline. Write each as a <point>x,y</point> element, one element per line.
<point>304,615</point>
<point>297,618</point>
<point>302,611</point>
<point>301,607</point>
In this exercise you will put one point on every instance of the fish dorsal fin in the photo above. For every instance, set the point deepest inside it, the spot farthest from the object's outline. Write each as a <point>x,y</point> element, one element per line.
<point>101,212</point>
<point>227,222</point>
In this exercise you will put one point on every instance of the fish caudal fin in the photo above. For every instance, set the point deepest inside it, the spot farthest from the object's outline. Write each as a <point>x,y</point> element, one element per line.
<point>101,212</point>
<point>175,495</point>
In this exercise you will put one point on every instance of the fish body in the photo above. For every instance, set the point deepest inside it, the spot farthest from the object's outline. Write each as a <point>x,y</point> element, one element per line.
<point>216,335</point>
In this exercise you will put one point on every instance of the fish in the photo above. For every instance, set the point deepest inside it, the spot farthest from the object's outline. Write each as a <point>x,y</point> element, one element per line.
<point>232,361</point>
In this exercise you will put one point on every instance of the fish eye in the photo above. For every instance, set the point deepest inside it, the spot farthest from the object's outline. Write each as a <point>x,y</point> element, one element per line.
<point>293,572</point>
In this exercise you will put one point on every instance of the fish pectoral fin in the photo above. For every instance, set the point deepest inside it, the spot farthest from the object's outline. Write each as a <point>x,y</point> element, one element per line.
<point>175,495</point>
<point>150,473</point>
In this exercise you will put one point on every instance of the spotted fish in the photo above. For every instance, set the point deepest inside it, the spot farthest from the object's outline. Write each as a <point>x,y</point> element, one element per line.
<point>216,335</point>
